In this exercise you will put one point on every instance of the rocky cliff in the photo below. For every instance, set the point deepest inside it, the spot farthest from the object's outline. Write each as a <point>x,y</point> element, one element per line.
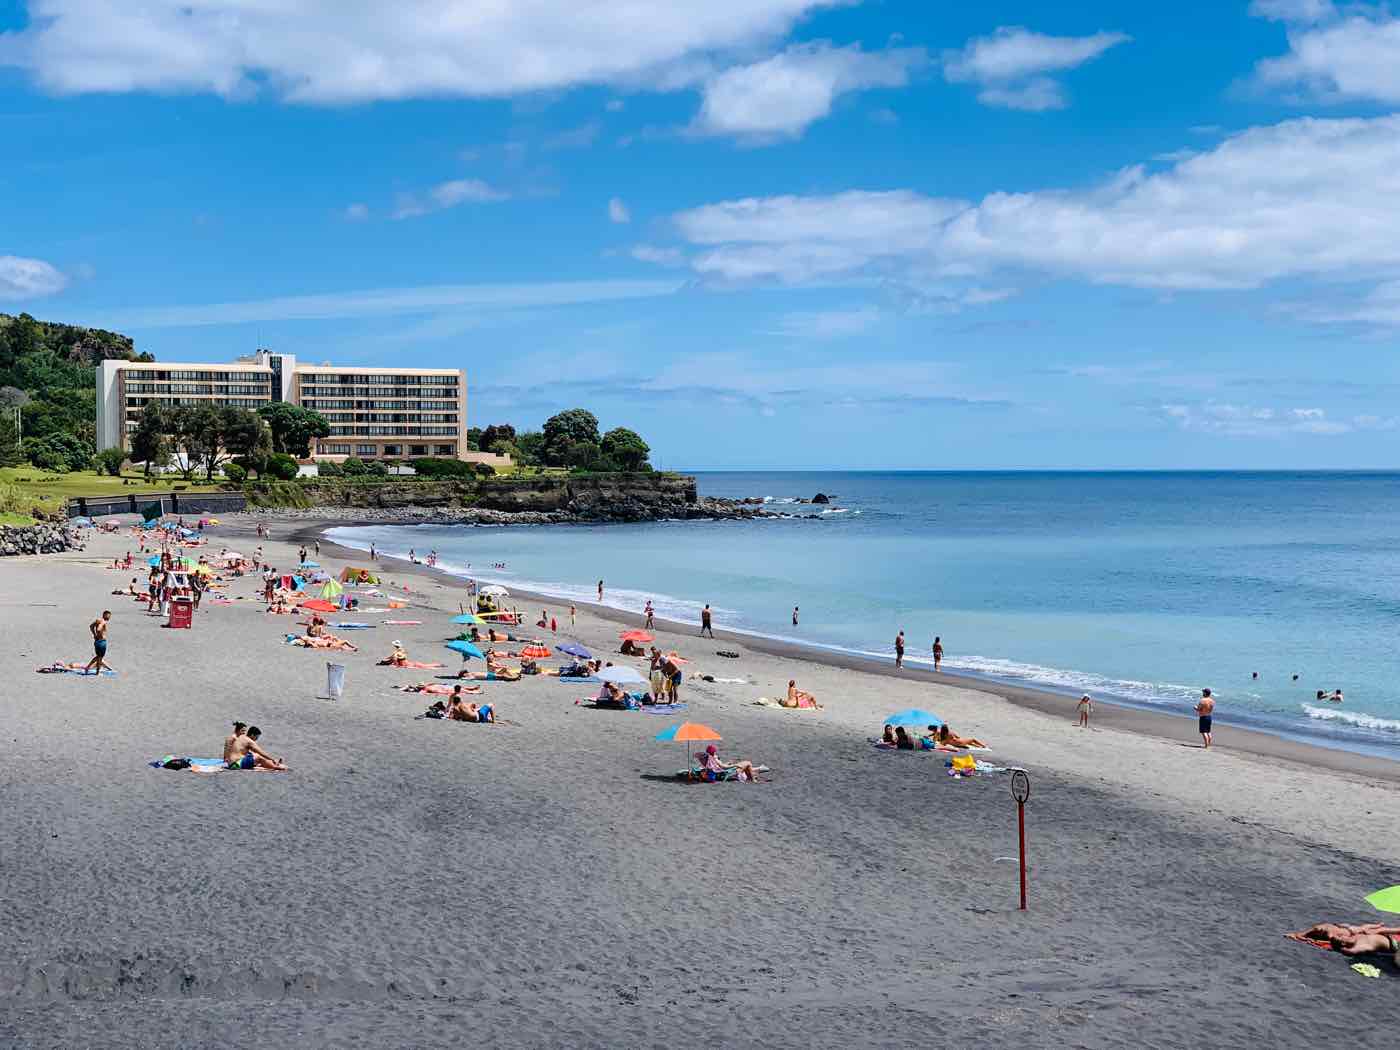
<point>43,538</point>
<point>587,498</point>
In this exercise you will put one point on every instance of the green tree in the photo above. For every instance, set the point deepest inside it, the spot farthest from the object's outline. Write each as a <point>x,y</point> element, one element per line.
<point>626,448</point>
<point>530,446</point>
<point>109,461</point>
<point>150,441</point>
<point>282,466</point>
<point>11,450</point>
<point>294,428</point>
<point>352,467</point>
<point>474,438</point>
<point>566,430</point>
<point>494,435</point>
<point>235,473</point>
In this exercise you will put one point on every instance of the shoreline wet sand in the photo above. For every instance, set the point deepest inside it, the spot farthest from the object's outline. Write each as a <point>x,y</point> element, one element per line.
<point>1268,747</point>
<point>547,881</point>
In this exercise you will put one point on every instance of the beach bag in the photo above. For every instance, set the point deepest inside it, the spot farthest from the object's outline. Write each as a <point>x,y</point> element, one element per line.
<point>335,680</point>
<point>177,763</point>
<point>964,764</point>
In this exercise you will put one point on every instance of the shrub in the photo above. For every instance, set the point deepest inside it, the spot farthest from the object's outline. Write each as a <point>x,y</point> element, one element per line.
<point>431,467</point>
<point>485,470</point>
<point>328,468</point>
<point>282,466</point>
<point>377,469</point>
<point>236,474</point>
<point>109,461</point>
<point>353,467</point>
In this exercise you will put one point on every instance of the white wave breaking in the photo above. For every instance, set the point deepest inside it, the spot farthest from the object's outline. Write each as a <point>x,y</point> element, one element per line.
<point>1360,719</point>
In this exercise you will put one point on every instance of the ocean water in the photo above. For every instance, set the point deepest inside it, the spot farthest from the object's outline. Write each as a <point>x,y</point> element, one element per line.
<point>1139,588</point>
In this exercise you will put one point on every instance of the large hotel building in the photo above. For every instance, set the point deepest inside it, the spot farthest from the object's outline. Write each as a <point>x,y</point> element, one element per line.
<point>374,413</point>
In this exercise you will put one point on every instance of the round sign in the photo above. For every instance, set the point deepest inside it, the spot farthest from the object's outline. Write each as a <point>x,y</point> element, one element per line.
<point>1020,785</point>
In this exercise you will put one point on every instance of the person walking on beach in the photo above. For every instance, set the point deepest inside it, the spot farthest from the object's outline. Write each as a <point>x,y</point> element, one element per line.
<point>794,616</point>
<point>572,613</point>
<point>1205,711</point>
<point>706,622</point>
<point>899,649</point>
<point>651,615</point>
<point>98,627</point>
<point>1086,708</point>
<point>937,652</point>
<point>317,545</point>
<point>600,591</point>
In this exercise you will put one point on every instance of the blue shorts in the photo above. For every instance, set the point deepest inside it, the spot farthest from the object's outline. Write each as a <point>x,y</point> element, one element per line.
<point>99,646</point>
<point>1203,723</point>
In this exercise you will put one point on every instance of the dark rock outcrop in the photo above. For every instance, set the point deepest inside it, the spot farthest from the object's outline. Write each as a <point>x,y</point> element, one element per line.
<point>43,538</point>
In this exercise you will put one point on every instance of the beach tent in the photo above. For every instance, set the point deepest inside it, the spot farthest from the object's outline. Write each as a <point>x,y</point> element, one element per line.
<point>495,590</point>
<point>353,574</point>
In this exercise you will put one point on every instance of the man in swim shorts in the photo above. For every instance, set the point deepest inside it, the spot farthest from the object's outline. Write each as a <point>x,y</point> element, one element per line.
<point>98,627</point>
<point>248,754</point>
<point>1205,710</point>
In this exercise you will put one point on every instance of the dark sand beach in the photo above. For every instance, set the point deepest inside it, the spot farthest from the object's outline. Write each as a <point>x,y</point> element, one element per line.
<point>546,881</point>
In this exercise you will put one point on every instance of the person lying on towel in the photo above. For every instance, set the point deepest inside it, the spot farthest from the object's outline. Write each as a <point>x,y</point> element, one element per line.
<point>1370,939</point>
<point>458,710</point>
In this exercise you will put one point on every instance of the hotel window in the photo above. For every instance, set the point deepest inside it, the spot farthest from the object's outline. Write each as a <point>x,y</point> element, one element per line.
<point>393,450</point>
<point>417,450</point>
<point>335,450</point>
<point>366,450</point>
<point>447,450</point>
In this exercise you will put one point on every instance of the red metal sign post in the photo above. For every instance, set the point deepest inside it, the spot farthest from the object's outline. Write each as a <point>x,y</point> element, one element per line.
<point>1020,791</point>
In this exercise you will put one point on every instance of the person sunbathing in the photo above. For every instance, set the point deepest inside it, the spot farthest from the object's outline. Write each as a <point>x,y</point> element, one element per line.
<point>947,738</point>
<point>1370,939</point>
<point>279,605</point>
<point>504,674</point>
<point>325,641</point>
<point>712,764</point>
<point>887,737</point>
<point>797,698</point>
<point>460,711</point>
<point>397,658</point>
<point>631,648</point>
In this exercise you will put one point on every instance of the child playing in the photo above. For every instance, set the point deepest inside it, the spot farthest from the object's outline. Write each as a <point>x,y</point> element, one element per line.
<point>1086,707</point>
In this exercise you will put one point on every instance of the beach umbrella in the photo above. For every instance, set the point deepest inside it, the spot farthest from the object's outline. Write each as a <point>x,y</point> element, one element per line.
<point>466,649</point>
<point>690,732</point>
<point>331,589</point>
<point>204,570</point>
<point>319,605</point>
<point>468,618</point>
<point>535,651</point>
<point>575,650</point>
<point>637,636</point>
<point>495,590</point>
<point>913,717</point>
<point>81,522</point>
<point>620,675</point>
<point>1386,900</point>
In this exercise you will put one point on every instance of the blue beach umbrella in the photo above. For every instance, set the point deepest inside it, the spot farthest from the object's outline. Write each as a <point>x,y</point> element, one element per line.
<point>913,717</point>
<point>469,618</point>
<point>466,649</point>
<point>155,560</point>
<point>574,650</point>
<point>310,565</point>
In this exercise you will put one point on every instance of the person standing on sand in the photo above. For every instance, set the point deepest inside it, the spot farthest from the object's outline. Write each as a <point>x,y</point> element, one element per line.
<point>651,615</point>
<point>937,652</point>
<point>98,627</point>
<point>600,591</point>
<point>317,545</point>
<point>373,554</point>
<point>1086,708</point>
<point>1205,710</point>
<point>706,622</point>
<point>572,613</point>
<point>794,616</point>
<point>899,649</point>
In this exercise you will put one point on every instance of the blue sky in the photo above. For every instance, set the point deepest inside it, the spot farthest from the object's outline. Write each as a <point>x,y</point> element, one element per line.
<point>763,233</point>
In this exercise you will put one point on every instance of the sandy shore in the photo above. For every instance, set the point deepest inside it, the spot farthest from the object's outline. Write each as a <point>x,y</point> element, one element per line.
<point>543,882</point>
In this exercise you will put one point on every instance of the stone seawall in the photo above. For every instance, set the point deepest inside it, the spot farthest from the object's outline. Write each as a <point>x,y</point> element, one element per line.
<point>44,538</point>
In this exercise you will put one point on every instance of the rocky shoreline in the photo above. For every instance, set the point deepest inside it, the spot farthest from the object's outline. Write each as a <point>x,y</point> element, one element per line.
<point>43,538</point>
<point>704,508</point>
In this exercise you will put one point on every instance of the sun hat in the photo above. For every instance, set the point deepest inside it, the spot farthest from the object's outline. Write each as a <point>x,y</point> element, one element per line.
<point>398,644</point>
<point>710,749</point>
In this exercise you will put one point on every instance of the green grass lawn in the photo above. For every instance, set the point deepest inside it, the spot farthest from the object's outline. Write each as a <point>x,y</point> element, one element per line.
<point>26,491</point>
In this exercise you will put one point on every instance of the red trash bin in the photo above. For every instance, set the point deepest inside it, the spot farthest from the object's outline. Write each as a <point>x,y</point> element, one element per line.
<point>181,613</point>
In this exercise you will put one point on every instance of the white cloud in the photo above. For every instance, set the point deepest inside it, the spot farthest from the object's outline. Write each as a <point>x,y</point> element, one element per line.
<point>1293,10</point>
<point>357,212</point>
<point>829,324</point>
<point>1344,59</point>
<point>339,51</point>
<point>781,96</point>
<point>1012,64</point>
<point>797,239</point>
<point>1234,420</point>
<point>447,195</point>
<point>617,211</point>
<point>649,253</point>
<point>388,302</point>
<point>1303,199</point>
<point>22,278</point>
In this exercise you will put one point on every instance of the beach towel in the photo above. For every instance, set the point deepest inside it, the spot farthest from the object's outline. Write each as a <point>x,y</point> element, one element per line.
<point>404,623</point>
<point>419,665</point>
<point>353,626</point>
<point>58,667</point>
<point>196,765</point>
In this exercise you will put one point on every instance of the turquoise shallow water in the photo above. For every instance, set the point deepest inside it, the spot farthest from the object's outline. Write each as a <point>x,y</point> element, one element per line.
<point>1137,587</point>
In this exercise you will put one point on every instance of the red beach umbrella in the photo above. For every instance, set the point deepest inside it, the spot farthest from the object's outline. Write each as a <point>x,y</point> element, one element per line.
<point>637,636</point>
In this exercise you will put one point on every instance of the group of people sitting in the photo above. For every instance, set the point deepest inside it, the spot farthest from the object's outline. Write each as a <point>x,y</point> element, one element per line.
<point>317,637</point>
<point>936,737</point>
<point>242,750</point>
